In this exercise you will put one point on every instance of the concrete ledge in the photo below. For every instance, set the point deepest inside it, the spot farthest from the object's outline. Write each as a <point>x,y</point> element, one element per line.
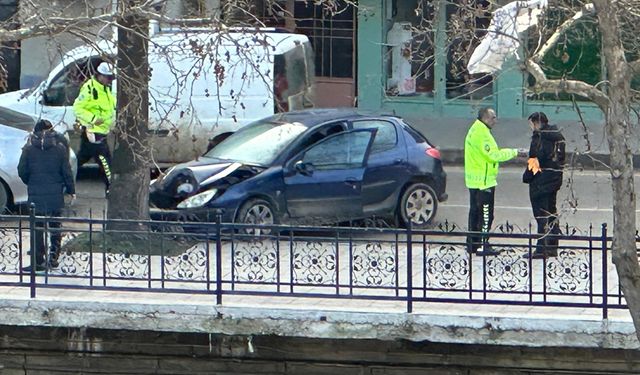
<point>525,332</point>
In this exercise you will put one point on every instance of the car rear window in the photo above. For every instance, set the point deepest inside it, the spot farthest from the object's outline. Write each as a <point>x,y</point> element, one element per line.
<point>419,138</point>
<point>16,120</point>
<point>386,136</point>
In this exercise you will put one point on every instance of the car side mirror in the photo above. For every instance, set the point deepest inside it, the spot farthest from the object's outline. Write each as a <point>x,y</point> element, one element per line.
<point>304,168</point>
<point>49,97</point>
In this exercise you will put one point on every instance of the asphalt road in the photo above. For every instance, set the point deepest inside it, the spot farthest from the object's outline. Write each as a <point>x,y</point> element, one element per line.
<point>584,199</point>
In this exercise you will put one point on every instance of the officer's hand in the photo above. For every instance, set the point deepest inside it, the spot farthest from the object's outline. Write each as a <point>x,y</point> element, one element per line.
<point>98,122</point>
<point>70,199</point>
<point>523,152</point>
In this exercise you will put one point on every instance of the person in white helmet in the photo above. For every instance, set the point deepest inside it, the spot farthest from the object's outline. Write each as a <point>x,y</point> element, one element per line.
<point>95,109</point>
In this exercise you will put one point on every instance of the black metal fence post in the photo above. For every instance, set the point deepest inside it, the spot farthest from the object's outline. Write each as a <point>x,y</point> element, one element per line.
<point>409,268</point>
<point>605,267</point>
<point>32,248</point>
<point>218,258</point>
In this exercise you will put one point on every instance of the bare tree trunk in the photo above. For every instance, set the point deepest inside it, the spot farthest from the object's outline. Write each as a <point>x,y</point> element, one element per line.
<point>129,195</point>
<point>618,127</point>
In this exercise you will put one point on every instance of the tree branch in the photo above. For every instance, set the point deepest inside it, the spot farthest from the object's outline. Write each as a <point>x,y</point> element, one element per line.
<point>57,25</point>
<point>588,9</point>
<point>543,84</point>
<point>635,66</point>
<point>54,25</point>
<point>565,85</point>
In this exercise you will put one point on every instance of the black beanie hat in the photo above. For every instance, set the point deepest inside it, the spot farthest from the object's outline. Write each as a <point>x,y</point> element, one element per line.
<point>42,125</point>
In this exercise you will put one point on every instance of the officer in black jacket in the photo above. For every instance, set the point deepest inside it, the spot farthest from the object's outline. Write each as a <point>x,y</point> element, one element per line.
<point>44,168</point>
<point>544,176</point>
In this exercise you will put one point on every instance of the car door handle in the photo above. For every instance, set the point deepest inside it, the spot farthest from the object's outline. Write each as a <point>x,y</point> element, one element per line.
<point>351,181</point>
<point>398,161</point>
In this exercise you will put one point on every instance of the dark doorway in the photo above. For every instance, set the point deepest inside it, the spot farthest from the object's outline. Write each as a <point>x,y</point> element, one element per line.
<point>10,51</point>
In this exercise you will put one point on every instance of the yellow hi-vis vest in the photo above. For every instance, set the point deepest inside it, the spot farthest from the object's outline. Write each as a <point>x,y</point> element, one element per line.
<point>95,101</point>
<point>482,156</point>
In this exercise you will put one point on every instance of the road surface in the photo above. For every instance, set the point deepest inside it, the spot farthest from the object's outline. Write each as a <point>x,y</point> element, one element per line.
<point>585,198</point>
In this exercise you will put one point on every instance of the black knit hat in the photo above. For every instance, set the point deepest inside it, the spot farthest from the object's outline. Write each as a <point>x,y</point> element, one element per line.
<point>42,125</point>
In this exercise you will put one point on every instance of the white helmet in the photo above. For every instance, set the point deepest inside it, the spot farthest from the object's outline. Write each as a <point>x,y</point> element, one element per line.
<point>105,69</point>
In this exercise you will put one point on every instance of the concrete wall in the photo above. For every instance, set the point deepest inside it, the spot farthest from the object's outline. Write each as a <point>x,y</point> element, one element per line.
<point>39,55</point>
<point>50,350</point>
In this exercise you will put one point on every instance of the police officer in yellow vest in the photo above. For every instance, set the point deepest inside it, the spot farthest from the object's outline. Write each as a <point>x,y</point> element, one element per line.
<point>95,109</point>
<point>481,159</point>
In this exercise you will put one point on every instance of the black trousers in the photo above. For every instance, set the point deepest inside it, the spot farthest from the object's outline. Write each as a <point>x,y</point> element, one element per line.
<point>99,152</point>
<point>55,237</point>
<point>546,215</point>
<point>481,204</point>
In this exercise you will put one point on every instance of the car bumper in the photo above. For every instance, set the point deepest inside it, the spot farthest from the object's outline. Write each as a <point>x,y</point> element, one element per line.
<point>441,186</point>
<point>191,216</point>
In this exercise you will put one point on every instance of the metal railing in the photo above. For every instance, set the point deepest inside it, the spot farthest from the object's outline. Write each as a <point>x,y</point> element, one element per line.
<point>411,267</point>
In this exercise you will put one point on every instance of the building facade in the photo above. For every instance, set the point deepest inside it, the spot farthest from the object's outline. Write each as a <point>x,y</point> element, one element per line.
<point>440,86</point>
<point>356,62</point>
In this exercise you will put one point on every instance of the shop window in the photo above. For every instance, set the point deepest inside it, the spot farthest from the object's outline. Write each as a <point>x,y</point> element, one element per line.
<point>330,30</point>
<point>467,23</point>
<point>410,48</point>
<point>329,26</point>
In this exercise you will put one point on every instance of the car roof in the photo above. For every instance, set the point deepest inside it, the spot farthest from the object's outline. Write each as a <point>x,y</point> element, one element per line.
<point>316,116</point>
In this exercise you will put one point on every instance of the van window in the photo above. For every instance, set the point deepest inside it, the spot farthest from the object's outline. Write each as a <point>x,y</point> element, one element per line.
<point>386,136</point>
<point>16,120</point>
<point>293,78</point>
<point>65,87</point>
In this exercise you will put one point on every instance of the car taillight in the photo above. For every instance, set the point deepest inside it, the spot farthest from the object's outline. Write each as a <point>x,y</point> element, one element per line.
<point>433,152</point>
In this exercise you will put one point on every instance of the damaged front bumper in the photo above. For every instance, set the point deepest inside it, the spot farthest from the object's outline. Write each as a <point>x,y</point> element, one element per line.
<point>210,215</point>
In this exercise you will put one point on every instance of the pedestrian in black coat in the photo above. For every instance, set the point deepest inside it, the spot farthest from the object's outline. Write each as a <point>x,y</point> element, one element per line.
<point>544,176</point>
<point>44,168</point>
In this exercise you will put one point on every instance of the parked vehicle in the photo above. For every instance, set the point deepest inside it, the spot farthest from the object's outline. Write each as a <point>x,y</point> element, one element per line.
<point>203,85</point>
<point>14,132</point>
<point>312,166</point>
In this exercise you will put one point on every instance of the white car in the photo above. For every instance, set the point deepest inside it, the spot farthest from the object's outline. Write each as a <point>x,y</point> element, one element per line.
<point>14,132</point>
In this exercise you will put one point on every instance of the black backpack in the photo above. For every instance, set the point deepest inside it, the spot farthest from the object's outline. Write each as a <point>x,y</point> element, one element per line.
<point>559,154</point>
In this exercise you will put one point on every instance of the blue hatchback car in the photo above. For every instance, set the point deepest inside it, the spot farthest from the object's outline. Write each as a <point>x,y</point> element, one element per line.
<point>309,167</point>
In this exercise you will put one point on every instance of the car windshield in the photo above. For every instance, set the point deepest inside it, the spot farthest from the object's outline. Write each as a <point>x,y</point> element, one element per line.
<point>258,143</point>
<point>16,120</point>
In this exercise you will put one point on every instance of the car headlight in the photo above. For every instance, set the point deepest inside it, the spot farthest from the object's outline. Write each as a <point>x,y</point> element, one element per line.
<point>198,200</point>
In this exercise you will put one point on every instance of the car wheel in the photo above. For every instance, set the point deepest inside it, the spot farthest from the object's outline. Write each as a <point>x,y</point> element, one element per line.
<point>418,205</point>
<point>4,198</point>
<point>256,212</point>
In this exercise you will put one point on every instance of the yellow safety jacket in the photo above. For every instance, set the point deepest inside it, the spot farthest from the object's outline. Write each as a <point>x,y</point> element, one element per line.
<point>95,101</point>
<point>482,156</point>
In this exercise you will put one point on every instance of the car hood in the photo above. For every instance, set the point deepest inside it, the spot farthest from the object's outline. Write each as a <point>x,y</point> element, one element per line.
<point>187,179</point>
<point>20,100</point>
<point>11,142</point>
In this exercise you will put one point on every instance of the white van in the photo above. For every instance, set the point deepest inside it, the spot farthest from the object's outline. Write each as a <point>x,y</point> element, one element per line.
<point>203,85</point>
